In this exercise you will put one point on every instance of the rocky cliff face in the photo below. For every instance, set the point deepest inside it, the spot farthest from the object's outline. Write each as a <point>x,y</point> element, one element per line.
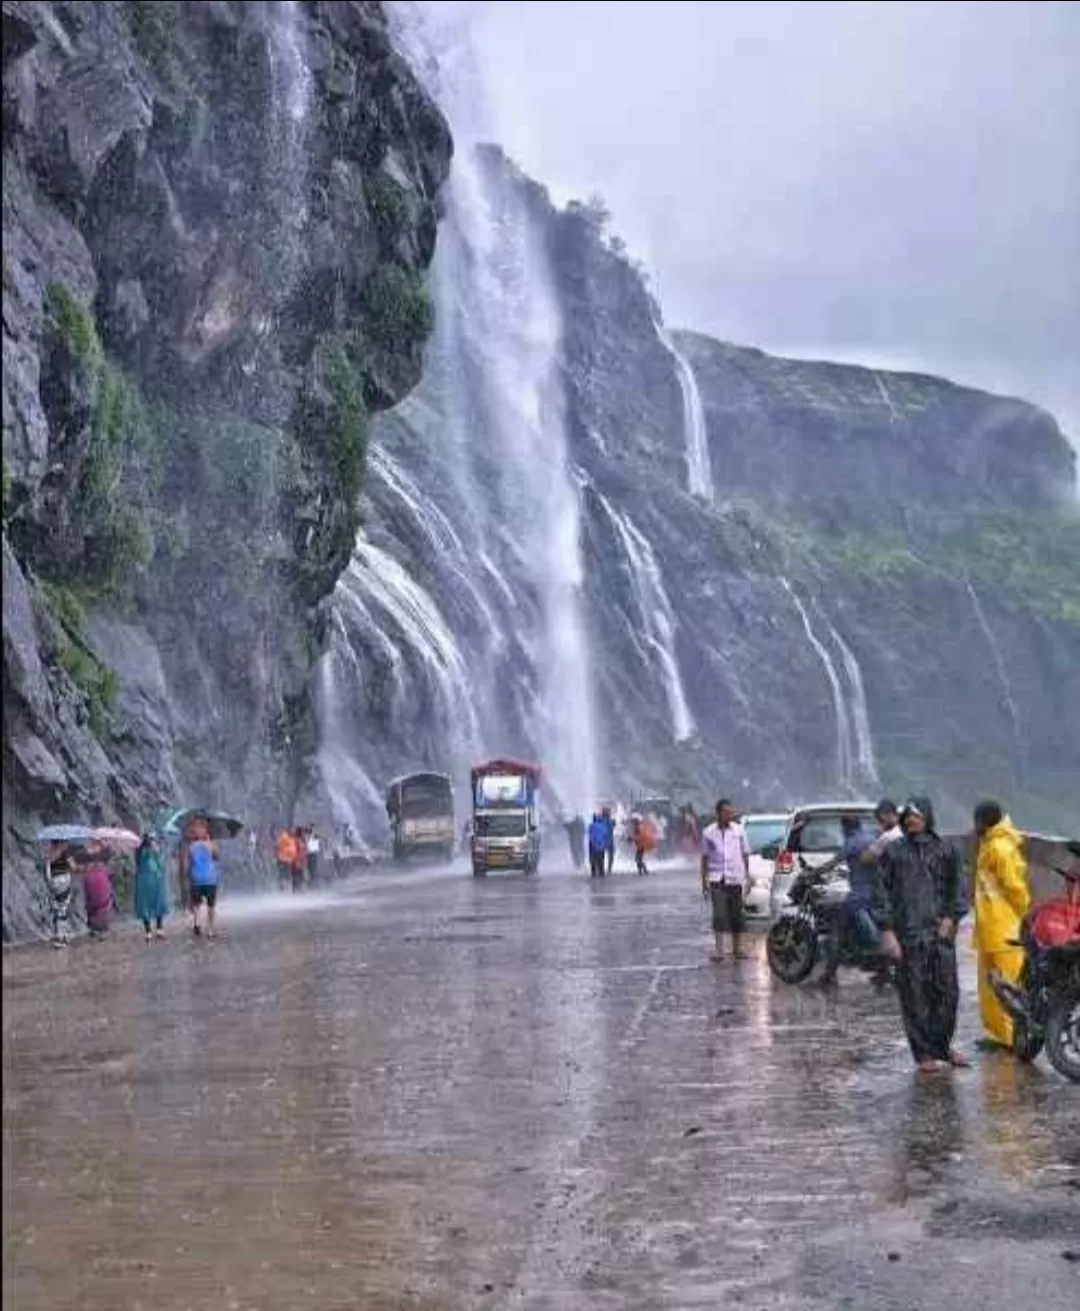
<point>216,221</point>
<point>880,594</point>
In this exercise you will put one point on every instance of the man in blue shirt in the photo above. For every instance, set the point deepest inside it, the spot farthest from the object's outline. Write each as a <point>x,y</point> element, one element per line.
<point>598,834</point>
<point>856,908</point>
<point>609,840</point>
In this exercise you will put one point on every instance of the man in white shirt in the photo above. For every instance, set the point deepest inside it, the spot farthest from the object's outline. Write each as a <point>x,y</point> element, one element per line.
<point>725,874</point>
<point>889,831</point>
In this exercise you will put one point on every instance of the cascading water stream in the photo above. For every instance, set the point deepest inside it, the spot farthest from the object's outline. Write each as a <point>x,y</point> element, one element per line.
<point>287,140</point>
<point>698,467</point>
<point>1008,700</point>
<point>655,614</point>
<point>843,723</point>
<point>860,713</point>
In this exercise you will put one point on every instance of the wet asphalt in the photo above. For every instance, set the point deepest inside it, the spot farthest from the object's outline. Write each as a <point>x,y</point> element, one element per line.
<point>417,1090</point>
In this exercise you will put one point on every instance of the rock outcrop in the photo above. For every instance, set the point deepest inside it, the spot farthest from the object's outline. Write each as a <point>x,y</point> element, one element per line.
<point>217,219</point>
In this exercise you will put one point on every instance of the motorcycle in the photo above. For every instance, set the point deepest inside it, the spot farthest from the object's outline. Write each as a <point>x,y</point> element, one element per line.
<point>799,938</point>
<point>1044,1003</point>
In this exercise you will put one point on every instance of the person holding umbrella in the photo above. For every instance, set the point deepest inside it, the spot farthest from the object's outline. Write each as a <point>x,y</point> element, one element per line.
<point>203,872</point>
<point>58,875</point>
<point>151,896</point>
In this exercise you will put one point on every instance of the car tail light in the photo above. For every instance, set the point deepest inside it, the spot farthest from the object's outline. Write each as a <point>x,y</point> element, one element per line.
<point>785,863</point>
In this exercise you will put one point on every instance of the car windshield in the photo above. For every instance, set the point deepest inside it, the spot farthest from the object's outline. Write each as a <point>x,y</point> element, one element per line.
<point>823,834</point>
<point>763,832</point>
<point>500,825</point>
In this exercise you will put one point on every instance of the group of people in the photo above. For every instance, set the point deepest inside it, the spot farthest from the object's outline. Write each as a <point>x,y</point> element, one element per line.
<point>906,902</point>
<point>298,850</point>
<point>198,876</point>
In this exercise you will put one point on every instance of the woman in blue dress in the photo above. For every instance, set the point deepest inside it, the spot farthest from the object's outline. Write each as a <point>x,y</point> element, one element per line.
<point>151,891</point>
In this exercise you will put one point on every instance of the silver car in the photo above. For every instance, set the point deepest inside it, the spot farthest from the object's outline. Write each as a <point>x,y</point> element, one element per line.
<point>764,833</point>
<point>815,835</point>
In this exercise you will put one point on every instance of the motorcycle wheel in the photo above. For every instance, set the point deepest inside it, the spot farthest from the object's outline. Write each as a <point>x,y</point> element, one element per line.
<point>1027,1041</point>
<point>792,949</point>
<point>1063,1037</point>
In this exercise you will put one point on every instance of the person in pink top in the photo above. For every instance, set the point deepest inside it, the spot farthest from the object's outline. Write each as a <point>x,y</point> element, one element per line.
<point>725,874</point>
<point>98,896</point>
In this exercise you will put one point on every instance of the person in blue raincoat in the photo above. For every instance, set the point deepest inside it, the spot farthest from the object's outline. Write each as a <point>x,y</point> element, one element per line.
<point>151,892</point>
<point>598,840</point>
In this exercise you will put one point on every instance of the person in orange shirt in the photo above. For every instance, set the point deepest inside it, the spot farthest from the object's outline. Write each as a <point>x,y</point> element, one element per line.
<point>286,858</point>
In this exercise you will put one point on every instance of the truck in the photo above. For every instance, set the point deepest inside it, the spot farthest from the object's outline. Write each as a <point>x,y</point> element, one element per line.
<point>420,808</point>
<point>506,816</point>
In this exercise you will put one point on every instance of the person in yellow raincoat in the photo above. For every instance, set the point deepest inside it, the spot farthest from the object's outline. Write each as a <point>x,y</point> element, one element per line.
<point>1002,897</point>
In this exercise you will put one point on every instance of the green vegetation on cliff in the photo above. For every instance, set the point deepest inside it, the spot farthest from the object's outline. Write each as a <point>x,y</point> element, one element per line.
<point>399,309</point>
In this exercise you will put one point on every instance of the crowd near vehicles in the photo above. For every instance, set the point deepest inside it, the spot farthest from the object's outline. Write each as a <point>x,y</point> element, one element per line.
<point>1045,1001</point>
<point>420,808</point>
<point>506,816</point>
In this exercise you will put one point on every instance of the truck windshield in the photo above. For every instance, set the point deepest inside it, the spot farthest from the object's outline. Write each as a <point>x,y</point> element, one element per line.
<point>500,825</point>
<point>426,800</point>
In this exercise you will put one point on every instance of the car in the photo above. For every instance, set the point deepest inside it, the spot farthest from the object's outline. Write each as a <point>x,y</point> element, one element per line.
<point>764,832</point>
<point>815,834</point>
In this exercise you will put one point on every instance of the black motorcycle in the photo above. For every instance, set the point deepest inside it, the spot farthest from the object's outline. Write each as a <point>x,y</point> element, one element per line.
<point>799,938</point>
<point>1044,1003</point>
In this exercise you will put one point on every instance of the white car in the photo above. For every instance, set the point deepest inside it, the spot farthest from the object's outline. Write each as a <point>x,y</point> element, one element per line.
<point>814,834</point>
<point>764,833</point>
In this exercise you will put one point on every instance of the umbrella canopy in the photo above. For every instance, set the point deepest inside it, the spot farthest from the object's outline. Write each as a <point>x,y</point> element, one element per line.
<point>117,837</point>
<point>220,825</point>
<point>77,833</point>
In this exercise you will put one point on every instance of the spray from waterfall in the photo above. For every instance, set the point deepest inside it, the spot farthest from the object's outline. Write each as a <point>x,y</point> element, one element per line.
<point>698,468</point>
<point>655,615</point>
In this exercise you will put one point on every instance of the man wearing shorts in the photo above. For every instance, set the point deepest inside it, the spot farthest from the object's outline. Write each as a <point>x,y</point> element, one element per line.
<point>725,872</point>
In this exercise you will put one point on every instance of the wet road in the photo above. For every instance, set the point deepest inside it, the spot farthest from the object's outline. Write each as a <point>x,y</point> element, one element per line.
<point>424,1092</point>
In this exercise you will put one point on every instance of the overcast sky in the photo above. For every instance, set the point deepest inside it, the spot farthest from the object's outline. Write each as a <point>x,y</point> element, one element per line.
<point>892,183</point>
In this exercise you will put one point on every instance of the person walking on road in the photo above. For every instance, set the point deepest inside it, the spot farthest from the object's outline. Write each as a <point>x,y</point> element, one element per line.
<point>59,871</point>
<point>151,896</point>
<point>609,840</point>
<point>598,836</point>
<point>286,858</point>
<point>204,872</point>
<point>314,848</point>
<point>1002,898</point>
<point>917,905</point>
<point>725,874</point>
<point>98,896</point>
<point>643,836</point>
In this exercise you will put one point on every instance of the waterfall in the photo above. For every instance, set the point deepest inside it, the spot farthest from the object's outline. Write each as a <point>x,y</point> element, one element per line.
<point>458,625</point>
<point>860,713</point>
<point>843,722</point>
<point>1008,700</point>
<point>698,468</point>
<point>655,615</point>
<point>287,170</point>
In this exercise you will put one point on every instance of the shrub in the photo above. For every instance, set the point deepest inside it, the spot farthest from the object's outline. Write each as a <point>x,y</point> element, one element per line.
<point>152,24</point>
<point>347,432</point>
<point>398,306</point>
<point>388,203</point>
<point>97,682</point>
<point>67,607</point>
<point>75,324</point>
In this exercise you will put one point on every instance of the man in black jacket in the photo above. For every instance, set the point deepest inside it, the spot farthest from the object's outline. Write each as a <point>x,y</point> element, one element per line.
<point>918,904</point>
